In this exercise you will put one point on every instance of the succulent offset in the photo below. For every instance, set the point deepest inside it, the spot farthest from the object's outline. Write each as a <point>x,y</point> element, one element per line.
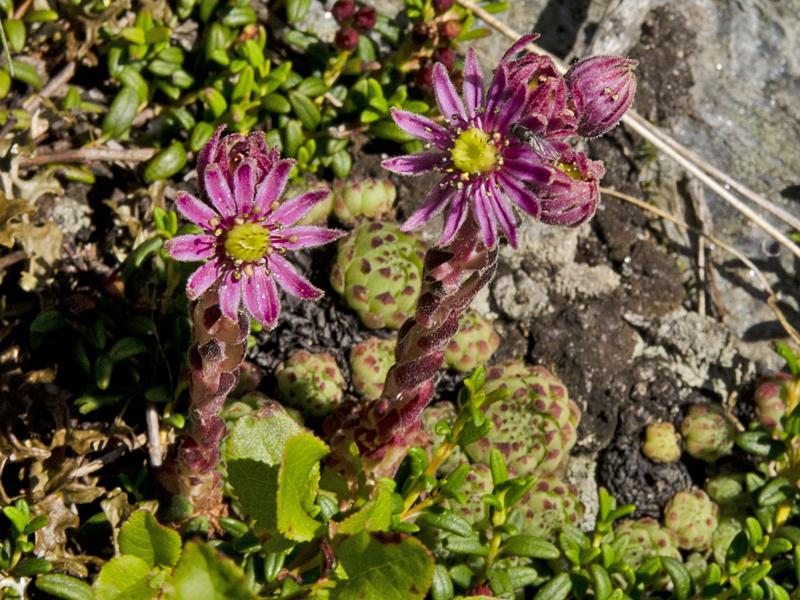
<point>662,443</point>
<point>473,344</point>
<point>549,505</point>
<point>378,272</point>
<point>770,399</point>
<point>535,427</point>
<point>707,432</point>
<point>311,383</point>
<point>363,199</point>
<point>729,492</point>
<point>646,538</point>
<point>693,516</point>
<point>370,361</point>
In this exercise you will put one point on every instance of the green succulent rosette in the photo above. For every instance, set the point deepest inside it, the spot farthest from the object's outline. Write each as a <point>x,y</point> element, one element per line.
<point>378,273</point>
<point>535,427</point>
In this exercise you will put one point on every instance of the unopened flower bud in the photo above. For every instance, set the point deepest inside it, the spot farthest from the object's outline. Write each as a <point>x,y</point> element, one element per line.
<point>343,10</point>
<point>450,30</point>
<point>346,38</point>
<point>602,88</point>
<point>444,55</point>
<point>365,18</point>
<point>424,77</point>
<point>442,5</point>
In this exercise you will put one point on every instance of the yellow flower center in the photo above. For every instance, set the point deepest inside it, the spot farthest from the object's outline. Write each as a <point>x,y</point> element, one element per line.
<point>247,242</point>
<point>474,152</point>
<point>571,170</point>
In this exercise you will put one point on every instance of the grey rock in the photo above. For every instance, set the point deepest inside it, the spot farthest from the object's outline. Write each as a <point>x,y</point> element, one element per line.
<point>582,473</point>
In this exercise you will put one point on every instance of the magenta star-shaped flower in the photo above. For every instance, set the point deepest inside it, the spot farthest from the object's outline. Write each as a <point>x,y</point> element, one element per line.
<point>483,165</point>
<point>247,229</point>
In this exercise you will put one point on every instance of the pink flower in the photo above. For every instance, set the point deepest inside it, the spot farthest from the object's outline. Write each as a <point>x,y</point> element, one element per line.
<point>483,165</point>
<point>571,197</point>
<point>247,230</point>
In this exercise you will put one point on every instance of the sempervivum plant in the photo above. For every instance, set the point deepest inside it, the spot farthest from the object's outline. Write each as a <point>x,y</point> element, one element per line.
<point>693,516</point>
<point>546,508</point>
<point>646,538</point>
<point>535,427</point>
<point>370,361</point>
<point>311,383</point>
<point>662,443</point>
<point>363,199</point>
<point>708,432</point>
<point>496,150</point>
<point>770,397</point>
<point>378,271</point>
<point>473,344</point>
<point>246,231</point>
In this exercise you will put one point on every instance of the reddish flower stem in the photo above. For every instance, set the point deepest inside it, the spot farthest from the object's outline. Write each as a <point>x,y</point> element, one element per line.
<point>214,359</point>
<point>452,276</point>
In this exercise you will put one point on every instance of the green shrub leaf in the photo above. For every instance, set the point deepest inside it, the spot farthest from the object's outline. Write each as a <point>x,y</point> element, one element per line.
<point>64,587</point>
<point>205,574</point>
<point>125,577</point>
<point>298,482</point>
<point>143,536</point>
<point>399,566</point>
<point>121,113</point>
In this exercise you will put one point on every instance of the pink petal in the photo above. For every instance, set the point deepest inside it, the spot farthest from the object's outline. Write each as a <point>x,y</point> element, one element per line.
<point>422,128</point>
<point>261,297</point>
<point>520,195</point>
<point>290,280</point>
<point>456,215</point>
<point>450,104</point>
<point>497,90</point>
<point>202,279</point>
<point>432,206</point>
<point>191,247</point>
<point>473,83</point>
<point>414,164</point>
<point>503,215</point>
<point>296,208</point>
<point>519,45</point>
<point>483,215</point>
<point>218,191</point>
<point>195,210</point>
<point>230,296</point>
<point>208,152</point>
<point>244,186</point>
<point>273,185</point>
<point>526,170</point>
<point>510,109</point>
<point>305,236</point>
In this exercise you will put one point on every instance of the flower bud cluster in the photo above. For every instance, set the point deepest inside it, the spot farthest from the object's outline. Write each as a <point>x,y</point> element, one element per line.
<point>353,20</point>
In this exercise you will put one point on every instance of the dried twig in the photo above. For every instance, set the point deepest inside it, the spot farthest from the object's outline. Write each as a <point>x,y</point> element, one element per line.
<point>696,166</point>
<point>772,299</point>
<point>153,435</point>
<point>90,154</point>
<point>13,258</point>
